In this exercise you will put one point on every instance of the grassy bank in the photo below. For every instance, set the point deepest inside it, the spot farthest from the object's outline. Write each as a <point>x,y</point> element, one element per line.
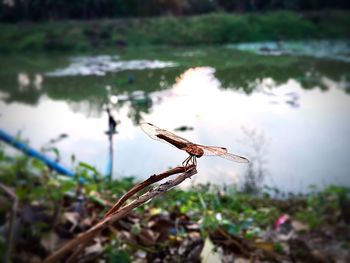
<point>50,211</point>
<point>195,30</point>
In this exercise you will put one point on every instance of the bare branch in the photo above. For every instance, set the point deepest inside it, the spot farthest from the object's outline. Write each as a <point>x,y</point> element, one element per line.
<point>137,188</point>
<point>106,221</point>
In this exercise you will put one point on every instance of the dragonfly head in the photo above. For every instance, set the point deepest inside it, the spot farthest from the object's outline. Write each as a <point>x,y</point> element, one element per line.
<point>194,150</point>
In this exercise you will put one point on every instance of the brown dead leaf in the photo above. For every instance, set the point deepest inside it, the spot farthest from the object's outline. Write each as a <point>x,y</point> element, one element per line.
<point>162,226</point>
<point>72,217</point>
<point>299,226</point>
<point>86,222</point>
<point>242,260</point>
<point>147,237</point>
<point>264,245</point>
<point>126,236</point>
<point>96,248</point>
<point>50,241</point>
<point>194,235</point>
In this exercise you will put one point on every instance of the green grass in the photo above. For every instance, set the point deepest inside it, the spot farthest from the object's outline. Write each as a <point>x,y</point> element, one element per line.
<point>212,29</point>
<point>208,208</point>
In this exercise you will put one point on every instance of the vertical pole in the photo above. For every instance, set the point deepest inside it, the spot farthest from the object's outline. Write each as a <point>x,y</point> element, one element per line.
<point>111,131</point>
<point>110,156</point>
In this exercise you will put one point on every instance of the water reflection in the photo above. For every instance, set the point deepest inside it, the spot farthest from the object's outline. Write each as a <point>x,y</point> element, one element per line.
<point>24,82</point>
<point>100,65</point>
<point>243,76</point>
<point>267,86</point>
<point>299,136</point>
<point>330,49</point>
<point>300,107</point>
<point>256,175</point>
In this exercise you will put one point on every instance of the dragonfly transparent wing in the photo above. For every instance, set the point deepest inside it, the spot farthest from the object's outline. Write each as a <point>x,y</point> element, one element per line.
<point>222,152</point>
<point>152,131</point>
<point>165,136</point>
<point>212,150</point>
<point>234,157</point>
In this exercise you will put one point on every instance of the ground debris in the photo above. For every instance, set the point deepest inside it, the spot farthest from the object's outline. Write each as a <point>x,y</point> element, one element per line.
<point>176,228</point>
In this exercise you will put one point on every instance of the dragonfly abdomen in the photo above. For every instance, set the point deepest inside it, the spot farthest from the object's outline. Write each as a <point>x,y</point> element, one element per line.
<point>177,144</point>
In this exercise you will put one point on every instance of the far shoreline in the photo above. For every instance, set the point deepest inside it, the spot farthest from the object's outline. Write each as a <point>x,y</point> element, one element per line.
<point>198,30</point>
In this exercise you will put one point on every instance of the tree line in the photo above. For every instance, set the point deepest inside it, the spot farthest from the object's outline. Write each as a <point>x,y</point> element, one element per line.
<point>51,10</point>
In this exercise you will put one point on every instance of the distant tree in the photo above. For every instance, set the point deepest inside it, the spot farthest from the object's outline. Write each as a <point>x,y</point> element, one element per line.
<point>200,6</point>
<point>41,10</point>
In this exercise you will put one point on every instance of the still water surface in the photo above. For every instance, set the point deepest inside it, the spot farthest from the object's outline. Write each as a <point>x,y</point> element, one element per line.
<point>288,113</point>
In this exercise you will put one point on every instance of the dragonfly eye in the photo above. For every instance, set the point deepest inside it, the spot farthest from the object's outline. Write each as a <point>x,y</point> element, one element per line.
<point>198,152</point>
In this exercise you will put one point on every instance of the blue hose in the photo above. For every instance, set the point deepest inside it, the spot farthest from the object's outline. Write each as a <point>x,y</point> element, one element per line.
<point>33,153</point>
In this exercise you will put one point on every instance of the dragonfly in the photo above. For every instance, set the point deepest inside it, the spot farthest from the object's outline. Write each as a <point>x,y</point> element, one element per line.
<point>193,149</point>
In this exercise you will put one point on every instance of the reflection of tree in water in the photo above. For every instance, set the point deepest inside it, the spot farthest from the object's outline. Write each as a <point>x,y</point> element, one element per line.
<point>87,94</point>
<point>28,96</point>
<point>23,88</point>
<point>90,108</point>
<point>258,144</point>
<point>138,107</point>
<point>308,71</point>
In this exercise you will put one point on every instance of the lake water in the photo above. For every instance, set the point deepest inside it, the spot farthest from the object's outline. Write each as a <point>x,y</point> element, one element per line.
<point>286,111</point>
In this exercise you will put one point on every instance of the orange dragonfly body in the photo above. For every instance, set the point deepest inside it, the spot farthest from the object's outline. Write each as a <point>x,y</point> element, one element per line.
<point>193,149</point>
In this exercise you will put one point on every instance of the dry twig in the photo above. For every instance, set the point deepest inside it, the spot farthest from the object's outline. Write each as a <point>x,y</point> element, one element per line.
<point>85,237</point>
<point>9,245</point>
<point>137,188</point>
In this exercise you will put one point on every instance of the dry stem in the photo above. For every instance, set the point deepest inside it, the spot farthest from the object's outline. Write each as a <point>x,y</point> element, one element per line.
<point>137,188</point>
<point>9,245</point>
<point>85,237</point>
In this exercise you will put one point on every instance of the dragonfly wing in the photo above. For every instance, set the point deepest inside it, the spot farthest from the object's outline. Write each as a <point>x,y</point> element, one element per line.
<point>165,136</point>
<point>235,158</point>
<point>222,152</point>
<point>212,150</point>
<point>154,131</point>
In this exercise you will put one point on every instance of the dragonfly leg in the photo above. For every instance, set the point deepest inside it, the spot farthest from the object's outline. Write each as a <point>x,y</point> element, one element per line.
<point>190,160</point>
<point>185,163</point>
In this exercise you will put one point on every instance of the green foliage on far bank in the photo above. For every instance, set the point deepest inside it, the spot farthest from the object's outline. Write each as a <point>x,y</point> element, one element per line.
<point>219,28</point>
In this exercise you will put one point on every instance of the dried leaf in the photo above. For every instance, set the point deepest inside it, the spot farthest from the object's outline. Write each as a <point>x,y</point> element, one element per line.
<point>126,236</point>
<point>50,241</point>
<point>162,226</point>
<point>148,237</point>
<point>208,254</point>
<point>242,260</point>
<point>194,235</point>
<point>299,226</point>
<point>73,218</point>
<point>96,248</point>
<point>265,245</point>
<point>86,222</point>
